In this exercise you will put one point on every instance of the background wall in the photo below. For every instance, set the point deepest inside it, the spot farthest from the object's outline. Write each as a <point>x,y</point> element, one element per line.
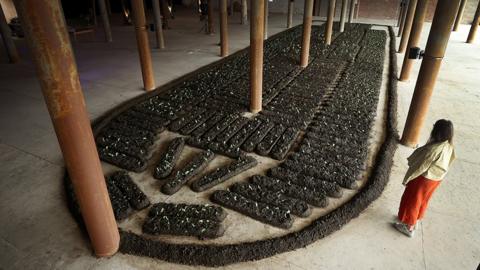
<point>374,9</point>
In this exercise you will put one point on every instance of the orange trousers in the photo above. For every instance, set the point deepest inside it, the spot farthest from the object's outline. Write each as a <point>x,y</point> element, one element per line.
<point>415,199</point>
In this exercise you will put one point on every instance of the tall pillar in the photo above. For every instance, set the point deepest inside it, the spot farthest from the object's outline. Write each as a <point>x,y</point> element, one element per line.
<point>316,3</point>
<point>307,30</point>
<point>357,8</point>
<point>210,26</point>
<point>434,53</point>
<point>317,11</point>
<point>165,12</point>
<point>94,11</point>
<point>343,15</point>
<point>473,29</point>
<point>244,18</point>
<point>330,17</point>
<point>400,13</point>
<point>265,18</point>
<point>223,28</point>
<point>7,38</point>
<point>290,13</point>
<point>157,17</point>
<point>351,11</point>
<point>141,32</point>
<point>256,54</point>
<point>105,20</point>
<point>414,40</point>
<point>47,36</point>
<point>403,18</point>
<point>458,19</point>
<point>412,6</point>
<point>109,7</point>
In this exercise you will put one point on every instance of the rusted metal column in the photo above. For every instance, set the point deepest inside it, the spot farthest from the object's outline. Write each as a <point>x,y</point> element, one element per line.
<point>343,15</point>
<point>458,19</point>
<point>7,38</point>
<point>105,20</point>
<point>473,29</point>
<point>256,54</point>
<point>223,28</point>
<point>330,17</point>
<point>351,11</point>
<point>157,17</point>
<point>210,26</point>
<point>290,13</point>
<point>244,18</point>
<point>307,29</point>
<point>434,53</point>
<point>403,18</point>
<point>143,45</point>
<point>265,19</point>
<point>412,6</point>
<point>414,40</point>
<point>47,37</point>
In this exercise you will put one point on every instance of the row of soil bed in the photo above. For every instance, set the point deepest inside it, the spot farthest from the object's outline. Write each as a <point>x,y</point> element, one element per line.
<point>202,221</point>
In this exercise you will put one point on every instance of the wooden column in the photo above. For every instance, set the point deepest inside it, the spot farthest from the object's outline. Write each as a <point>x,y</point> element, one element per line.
<point>330,17</point>
<point>256,54</point>
<point>351,11</point>
<point>265,18</point>
<point>414,40</point>
<point>210,26</point>
<point>307,29</point>
<point>143,45</point>
<point>157,18</point>
<point>412,5</point>
<point>474,28</point>
<point>47,36</point>
<point>105,20</point>
<point>223,28</point>
<point>343,15</point>
<point>244,18</point>
<point>434,53</point>
<point>7,38</point>
<point>290,13</point>
<point>458,19</point>
<point>403,18</point>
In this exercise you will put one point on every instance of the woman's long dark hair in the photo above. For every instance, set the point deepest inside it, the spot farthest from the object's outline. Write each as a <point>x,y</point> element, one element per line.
<point>442,131</point>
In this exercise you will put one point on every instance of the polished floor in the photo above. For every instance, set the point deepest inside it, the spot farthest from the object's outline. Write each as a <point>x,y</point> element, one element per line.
<point>37,231</point>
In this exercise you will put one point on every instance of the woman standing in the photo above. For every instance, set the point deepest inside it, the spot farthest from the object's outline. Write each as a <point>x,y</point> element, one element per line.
<point>428,165</point>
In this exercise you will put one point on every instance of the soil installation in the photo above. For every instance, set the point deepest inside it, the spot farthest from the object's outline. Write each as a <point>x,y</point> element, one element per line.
<point>315,127</point>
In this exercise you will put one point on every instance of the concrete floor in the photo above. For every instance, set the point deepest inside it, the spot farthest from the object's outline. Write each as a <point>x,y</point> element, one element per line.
<point>37,231</point>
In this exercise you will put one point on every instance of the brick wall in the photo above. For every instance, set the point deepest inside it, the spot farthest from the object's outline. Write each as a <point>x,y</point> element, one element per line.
<point>373,9</point>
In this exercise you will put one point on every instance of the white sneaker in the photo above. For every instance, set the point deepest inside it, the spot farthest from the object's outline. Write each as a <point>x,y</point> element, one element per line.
<point>403,228</point>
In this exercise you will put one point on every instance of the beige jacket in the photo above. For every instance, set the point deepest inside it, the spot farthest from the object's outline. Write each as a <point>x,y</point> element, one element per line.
<point>430,161</point>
